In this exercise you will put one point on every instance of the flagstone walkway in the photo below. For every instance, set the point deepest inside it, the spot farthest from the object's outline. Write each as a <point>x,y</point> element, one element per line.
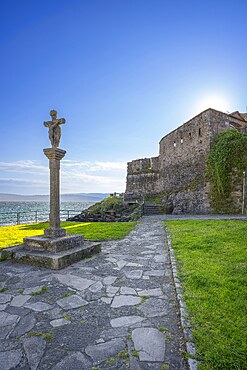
<point>116,310</point>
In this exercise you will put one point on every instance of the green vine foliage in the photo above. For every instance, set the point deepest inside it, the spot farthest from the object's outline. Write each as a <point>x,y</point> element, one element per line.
<point>226,162</point>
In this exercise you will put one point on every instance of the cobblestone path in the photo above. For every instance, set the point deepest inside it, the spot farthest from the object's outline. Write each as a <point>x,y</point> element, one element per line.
<point>116,310</point>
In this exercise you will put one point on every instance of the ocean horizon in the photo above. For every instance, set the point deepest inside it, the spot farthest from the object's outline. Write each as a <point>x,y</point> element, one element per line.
<point>12,213</point>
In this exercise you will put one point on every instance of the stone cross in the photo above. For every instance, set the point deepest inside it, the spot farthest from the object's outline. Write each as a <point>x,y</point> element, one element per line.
<point>54,155</point>
<point>54,128</point>
<point>55,249</point>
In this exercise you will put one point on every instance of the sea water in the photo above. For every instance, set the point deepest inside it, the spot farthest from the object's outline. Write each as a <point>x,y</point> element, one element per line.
<point>25,212</point>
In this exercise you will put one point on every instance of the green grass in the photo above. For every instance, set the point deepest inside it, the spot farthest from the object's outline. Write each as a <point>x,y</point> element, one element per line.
<point>4,289</point>
<point>13,235</point>
<point>211,258</point>
<point>66,316</point>
<point>135,353</point>
<point>69,294</point>
<point>163,330</point>
<point>124,355</point>
<point>106,204</point>
<point>43,290</point>
<point>144,298</point>
<point>165,367</point>
<point>111,361</point>
<point>46,336</point>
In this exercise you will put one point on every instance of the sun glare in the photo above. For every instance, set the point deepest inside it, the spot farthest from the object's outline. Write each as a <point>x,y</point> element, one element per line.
<point>215,102</point>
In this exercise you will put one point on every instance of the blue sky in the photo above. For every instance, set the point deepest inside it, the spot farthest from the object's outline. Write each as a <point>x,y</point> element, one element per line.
<point>123,73</point>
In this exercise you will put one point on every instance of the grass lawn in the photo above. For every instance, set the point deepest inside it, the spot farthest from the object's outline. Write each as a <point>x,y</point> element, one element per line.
<point>212,259</point>
<point>13,235</point>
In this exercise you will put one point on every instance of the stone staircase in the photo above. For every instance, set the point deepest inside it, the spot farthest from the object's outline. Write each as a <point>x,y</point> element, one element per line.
<point>152,209</point>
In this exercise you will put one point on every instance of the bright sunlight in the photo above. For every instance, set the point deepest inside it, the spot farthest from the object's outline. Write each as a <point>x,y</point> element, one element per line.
<point>215,102</point>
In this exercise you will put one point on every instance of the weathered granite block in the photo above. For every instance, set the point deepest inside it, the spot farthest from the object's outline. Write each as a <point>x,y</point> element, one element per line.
<point>59,244</point>
<point>51,260</point>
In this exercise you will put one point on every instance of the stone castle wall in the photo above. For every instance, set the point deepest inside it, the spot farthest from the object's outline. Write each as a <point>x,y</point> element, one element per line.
<point>143,176</point>
<point>179,170</point>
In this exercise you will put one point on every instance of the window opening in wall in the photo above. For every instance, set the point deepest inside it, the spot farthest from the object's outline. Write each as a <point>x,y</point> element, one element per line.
<point>190,135</point>
<point>182,140</point>
<point>174,144</point>
<point>200,131</point>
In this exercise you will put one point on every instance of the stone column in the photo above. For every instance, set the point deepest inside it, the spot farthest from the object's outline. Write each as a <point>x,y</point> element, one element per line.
<point>54,155</point>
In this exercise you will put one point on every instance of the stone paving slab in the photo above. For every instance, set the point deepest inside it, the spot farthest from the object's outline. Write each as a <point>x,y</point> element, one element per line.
<point>116,310</point>
<point>150,344</point>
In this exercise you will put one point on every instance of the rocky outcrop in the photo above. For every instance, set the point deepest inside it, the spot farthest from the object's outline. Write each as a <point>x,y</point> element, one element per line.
<point>96,217</point>
<point>111,209</point>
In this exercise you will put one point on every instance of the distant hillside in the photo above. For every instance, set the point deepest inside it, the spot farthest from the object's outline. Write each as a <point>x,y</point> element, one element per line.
<point>77,197</point>
<point>84,197</point>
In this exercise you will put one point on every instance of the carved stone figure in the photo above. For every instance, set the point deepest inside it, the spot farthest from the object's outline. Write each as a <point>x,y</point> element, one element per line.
<point>54,128</point>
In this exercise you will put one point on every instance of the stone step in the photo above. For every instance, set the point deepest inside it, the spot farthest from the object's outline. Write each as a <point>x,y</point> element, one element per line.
<point>152,209</point>
<point>51,260</point>
<point>152,212</point>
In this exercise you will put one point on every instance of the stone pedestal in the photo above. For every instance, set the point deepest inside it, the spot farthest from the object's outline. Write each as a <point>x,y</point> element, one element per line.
<point>54,245</point>
<point>48,259</point>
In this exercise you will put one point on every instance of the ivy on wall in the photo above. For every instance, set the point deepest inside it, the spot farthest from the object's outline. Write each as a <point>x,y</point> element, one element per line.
<point>227,157</point>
